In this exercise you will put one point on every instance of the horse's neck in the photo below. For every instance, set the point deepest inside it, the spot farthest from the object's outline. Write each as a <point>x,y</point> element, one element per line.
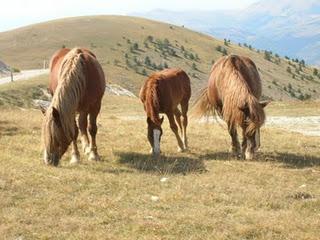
<point>67,106</point>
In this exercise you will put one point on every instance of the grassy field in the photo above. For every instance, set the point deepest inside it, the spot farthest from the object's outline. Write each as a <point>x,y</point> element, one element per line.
<point>112,39</point>
<point>200,194</point>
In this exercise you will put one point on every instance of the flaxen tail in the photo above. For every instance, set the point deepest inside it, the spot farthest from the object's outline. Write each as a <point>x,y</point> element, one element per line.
<point>202,106</point>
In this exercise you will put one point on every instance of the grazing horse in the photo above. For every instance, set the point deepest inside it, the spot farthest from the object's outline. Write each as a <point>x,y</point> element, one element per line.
<point>162,92</point>
<point>233,91</point>
<point>77,84</point>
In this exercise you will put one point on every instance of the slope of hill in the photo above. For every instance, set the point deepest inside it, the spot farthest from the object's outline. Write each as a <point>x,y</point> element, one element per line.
<point>130,48</point>
<point>288,27</point>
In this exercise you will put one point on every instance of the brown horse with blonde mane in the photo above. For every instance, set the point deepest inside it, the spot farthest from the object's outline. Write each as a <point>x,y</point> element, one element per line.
<point>77,84</point>
<point>233,91</point>
<point>162,92</point>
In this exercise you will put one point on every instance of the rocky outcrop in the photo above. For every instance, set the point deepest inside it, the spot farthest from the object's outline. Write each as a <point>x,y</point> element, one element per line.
<point>4,69</point>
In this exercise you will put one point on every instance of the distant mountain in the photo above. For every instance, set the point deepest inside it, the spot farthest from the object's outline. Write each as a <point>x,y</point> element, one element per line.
<point>288,27</point>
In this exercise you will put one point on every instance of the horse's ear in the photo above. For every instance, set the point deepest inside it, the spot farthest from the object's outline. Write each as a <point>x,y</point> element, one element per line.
<point>56,115</point>
<point>43,110</point>
<point>161,119</point>
<point>49,91</point>
<point>263,104</point>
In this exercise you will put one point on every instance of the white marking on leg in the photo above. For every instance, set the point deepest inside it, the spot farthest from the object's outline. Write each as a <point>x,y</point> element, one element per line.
<point>248,155</point>
<point>93,156</point>
<point>156,141</point>
<point>74,159</point>
<point>85,145</point>
<point>45,157</point>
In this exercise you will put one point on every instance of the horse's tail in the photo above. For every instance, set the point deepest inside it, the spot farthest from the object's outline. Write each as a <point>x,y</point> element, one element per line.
<point>202,106</point>
<point>257,114</point>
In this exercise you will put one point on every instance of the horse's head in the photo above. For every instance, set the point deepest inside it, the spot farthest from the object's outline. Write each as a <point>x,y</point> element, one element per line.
<point>253,123</point>
<point>55,141</point>
<point>154,135</point>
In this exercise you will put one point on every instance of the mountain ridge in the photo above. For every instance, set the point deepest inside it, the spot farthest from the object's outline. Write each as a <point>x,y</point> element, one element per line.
<point>270,25</point>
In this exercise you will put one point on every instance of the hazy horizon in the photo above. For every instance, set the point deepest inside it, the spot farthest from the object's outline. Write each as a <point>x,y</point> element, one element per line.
<point>19,13</point>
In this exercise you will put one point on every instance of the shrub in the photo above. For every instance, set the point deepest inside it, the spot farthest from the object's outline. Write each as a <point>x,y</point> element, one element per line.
<point>135,46</point>
<point>15,70</point>
<point>315,71</point>
<point>288,69</point>
<point>147,61</point>
<point>144,72</point>
<point>267,55</point>
<point>194,66</point>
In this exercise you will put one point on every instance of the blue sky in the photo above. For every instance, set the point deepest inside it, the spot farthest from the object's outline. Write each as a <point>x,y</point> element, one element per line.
<point>17,13</point>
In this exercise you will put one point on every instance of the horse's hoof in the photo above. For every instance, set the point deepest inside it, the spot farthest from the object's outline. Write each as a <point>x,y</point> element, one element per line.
<point>75,159</point>
<point>236,155</point>
<point>180,150</point>
<point>93,157</point>
<point>86,150</point>
<point>156,156</point>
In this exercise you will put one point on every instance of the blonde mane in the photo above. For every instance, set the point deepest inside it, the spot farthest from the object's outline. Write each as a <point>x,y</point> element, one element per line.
<point>238,96</point>
<point>237,91</point>
<point>70,90</point>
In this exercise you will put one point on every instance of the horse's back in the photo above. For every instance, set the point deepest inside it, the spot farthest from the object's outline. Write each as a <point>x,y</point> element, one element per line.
<point>234,73</point>
<point>174,81</point>
<point>55,64</point>
<point>95,79</point>
<point>171,87</point>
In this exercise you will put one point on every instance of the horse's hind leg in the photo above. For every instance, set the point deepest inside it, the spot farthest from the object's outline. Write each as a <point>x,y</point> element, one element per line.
<point>235,141</point>
<point>93,155</point>
<point>75,155</point>
<point>174,128</point>
<point>83,124</point>
<point>177,115</point>
<point>184,110</point>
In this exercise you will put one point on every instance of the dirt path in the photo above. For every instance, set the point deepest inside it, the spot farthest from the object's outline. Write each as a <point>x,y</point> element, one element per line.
<point>24,75</point>
<point>309,126</point>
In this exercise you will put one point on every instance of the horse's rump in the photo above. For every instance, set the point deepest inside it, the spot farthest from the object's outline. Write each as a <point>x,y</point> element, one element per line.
<point>84,62</point>
<point>234,89</point>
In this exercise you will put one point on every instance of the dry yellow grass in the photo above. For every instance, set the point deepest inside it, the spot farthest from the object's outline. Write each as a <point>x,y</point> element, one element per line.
<point>207,195</point>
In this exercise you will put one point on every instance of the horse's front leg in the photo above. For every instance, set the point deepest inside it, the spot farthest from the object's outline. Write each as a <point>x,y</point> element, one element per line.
<point>174,128</point>
<point>235,150</point>
<point>184,110</point>
<point>93,154</point>
<point>75,155</point>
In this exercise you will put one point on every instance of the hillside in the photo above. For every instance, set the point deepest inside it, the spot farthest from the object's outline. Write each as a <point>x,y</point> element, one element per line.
<point>130,48</point>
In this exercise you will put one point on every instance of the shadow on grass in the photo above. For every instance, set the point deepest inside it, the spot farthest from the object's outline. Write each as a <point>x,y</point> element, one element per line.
<point>163,164</point>
<point>7,130</point>
<point>289,159</point>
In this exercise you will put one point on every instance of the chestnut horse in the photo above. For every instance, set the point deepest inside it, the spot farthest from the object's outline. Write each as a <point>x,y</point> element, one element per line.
<point>77,84</point>
<point>162,92</point>
<point>233,91</point>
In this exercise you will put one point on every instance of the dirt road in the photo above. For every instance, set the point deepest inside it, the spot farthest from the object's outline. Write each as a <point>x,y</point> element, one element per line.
<point>24,75</point>
<point>309,125</point>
